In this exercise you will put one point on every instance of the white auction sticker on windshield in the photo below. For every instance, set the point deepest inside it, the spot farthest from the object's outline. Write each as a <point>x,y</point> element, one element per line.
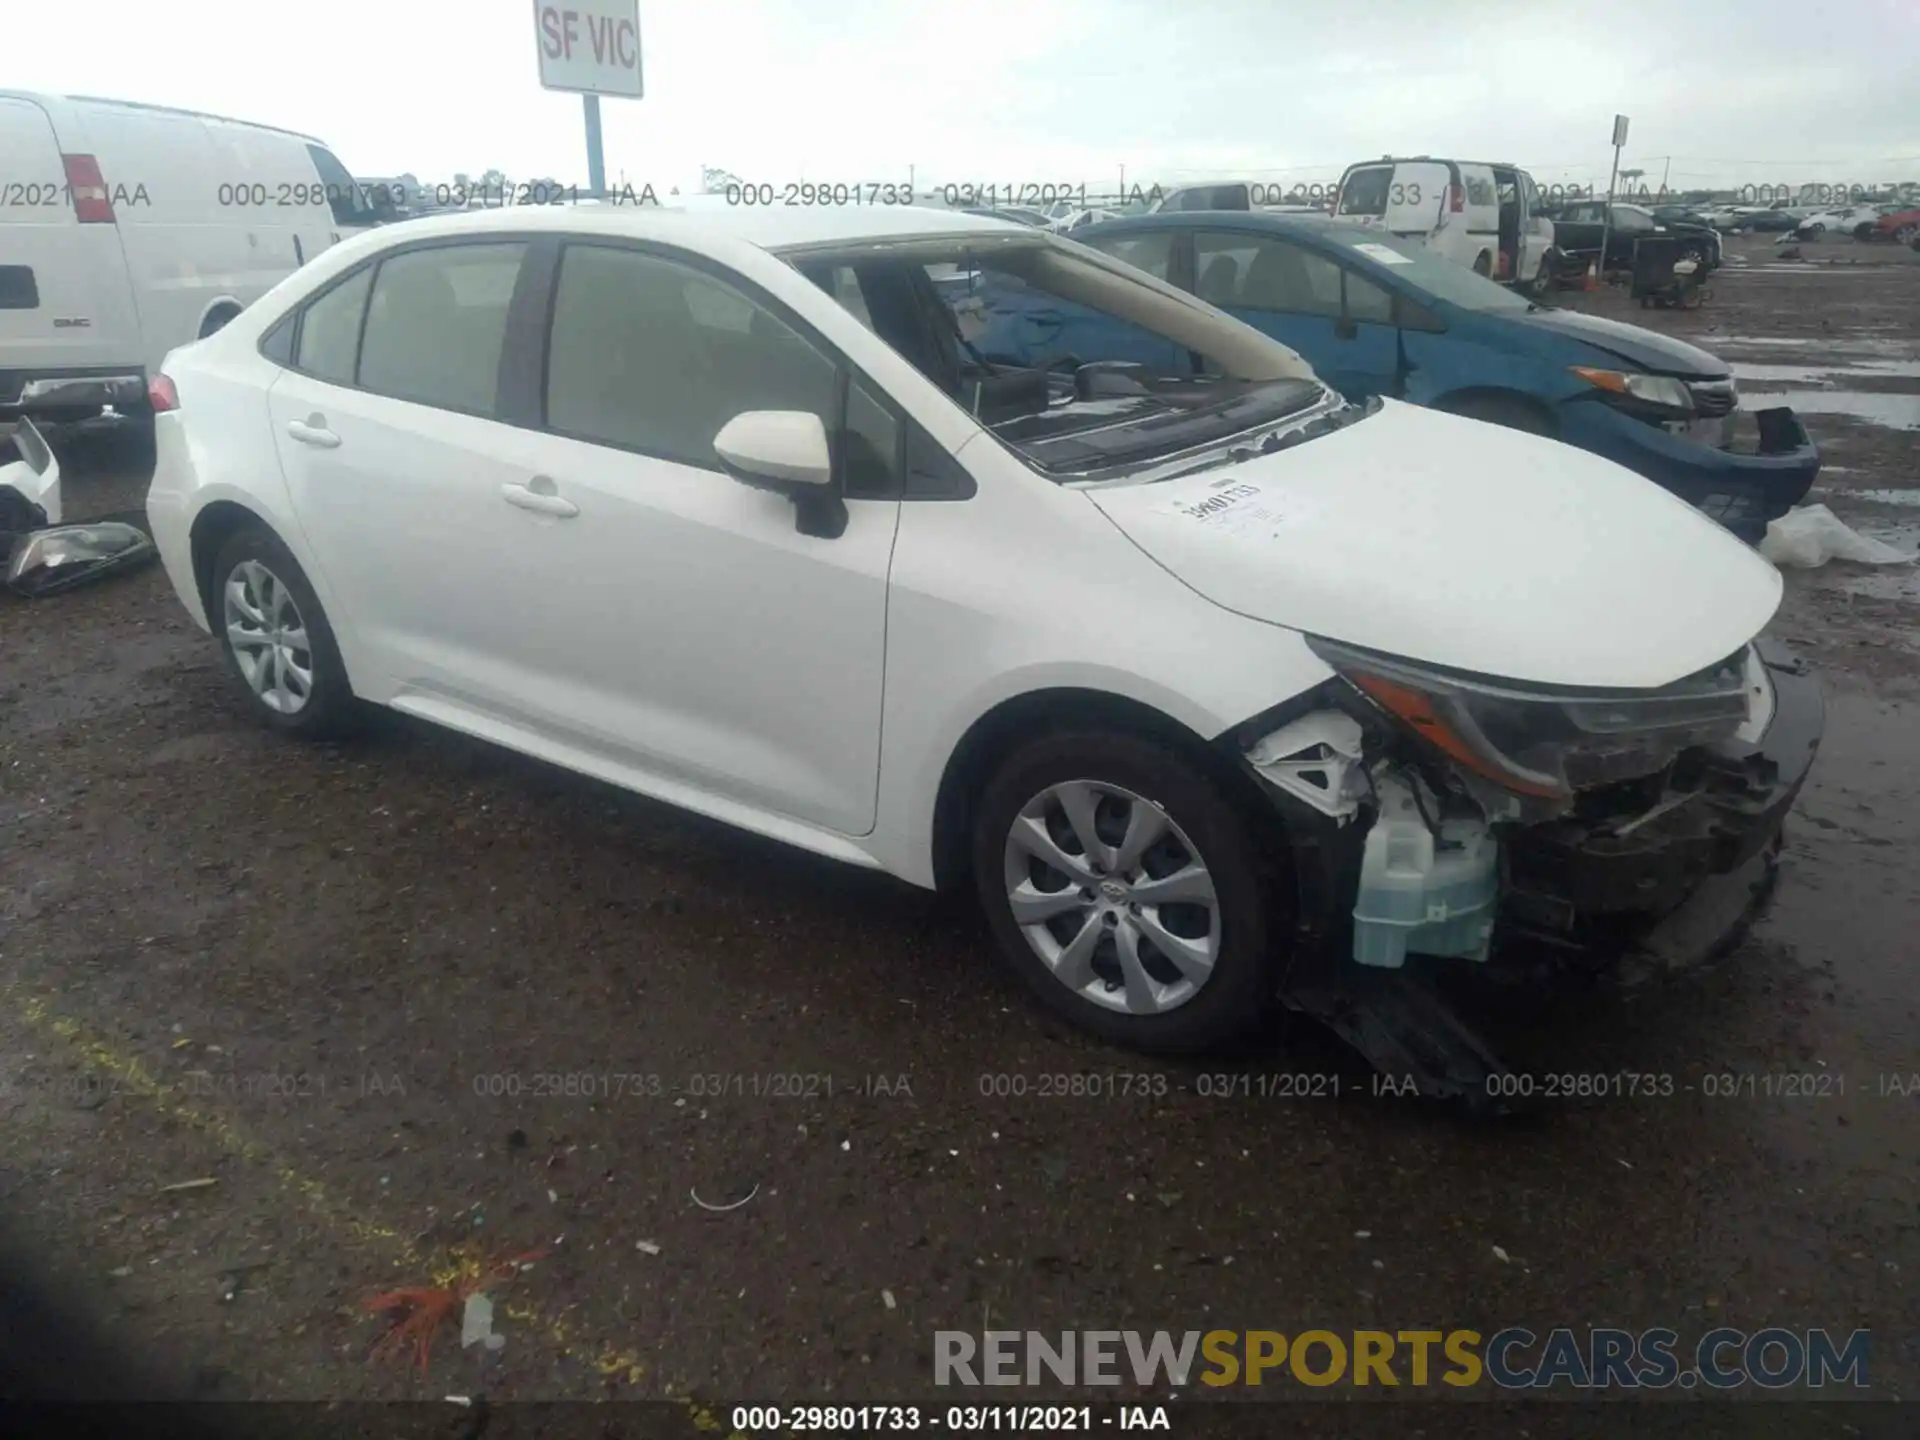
<point>1240,509</point>
<point>1385,254</point>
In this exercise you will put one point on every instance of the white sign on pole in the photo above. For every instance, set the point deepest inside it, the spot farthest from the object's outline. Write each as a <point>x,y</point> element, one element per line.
<point>1619,131</point>
<point>590,47</point>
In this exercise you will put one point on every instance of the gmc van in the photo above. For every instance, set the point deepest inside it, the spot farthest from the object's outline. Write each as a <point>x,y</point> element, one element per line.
<point>128,230</point>
<point>1484,216</point>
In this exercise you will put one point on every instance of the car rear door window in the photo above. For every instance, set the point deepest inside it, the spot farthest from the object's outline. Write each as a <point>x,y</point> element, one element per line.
<point>330,330</point>
<point>1268,275</point>
<point>657,356</point>
<point>436,324</point>
<point>1151,252</point>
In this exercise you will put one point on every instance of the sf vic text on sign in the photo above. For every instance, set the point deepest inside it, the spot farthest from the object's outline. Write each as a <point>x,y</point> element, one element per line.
<point>590,46</point>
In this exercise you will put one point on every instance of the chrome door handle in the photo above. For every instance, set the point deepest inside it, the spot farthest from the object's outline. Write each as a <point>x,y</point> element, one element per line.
<point>313,431</point>
<point>540,498</point>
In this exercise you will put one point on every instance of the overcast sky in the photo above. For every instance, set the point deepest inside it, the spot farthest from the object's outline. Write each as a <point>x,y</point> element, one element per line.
<point>1773,91</point>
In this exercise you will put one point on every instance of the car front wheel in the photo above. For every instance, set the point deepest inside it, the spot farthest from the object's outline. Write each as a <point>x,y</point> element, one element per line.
<point>276,637</point>
<point>1127,890</point>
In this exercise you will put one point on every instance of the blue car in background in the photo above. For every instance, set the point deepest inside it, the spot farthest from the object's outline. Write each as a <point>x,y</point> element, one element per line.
<point>1377,316</point>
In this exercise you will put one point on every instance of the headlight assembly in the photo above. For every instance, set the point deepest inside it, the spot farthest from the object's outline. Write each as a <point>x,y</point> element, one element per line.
<point>1549,743</point>
<point>1662,391</point>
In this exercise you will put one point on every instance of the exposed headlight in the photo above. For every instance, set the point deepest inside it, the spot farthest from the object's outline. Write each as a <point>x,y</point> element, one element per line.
<point>1661,390</point>
<point>1549,742</point>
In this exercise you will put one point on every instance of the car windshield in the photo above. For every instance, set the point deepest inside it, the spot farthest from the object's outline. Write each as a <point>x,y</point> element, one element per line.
<point>1427,272</point>
<point>954,306</point>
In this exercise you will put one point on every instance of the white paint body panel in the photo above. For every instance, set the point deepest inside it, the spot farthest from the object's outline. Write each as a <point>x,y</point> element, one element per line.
<point>681,638</point>
<point>1458,543</point>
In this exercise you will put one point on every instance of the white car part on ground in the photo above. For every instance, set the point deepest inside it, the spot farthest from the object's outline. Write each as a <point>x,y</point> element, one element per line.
<point>35,476</point>
<point>1808,536</point>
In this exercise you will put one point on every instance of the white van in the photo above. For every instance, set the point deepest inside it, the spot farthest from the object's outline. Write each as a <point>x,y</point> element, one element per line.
<point>127,230</point>
<point>1484,216</point>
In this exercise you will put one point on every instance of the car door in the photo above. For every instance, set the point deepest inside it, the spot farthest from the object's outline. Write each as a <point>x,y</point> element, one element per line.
<point>1031,327</point>
<point>657,612</point>
<point>386,429</point>
<point>1335,317</point>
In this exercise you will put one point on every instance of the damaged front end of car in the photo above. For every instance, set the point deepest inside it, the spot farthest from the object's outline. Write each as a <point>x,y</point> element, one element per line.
<point>1541,835</point>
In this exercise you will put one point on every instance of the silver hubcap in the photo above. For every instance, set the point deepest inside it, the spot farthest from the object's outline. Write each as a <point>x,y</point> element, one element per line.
<point>268,638</point>
<point>1113,897</point>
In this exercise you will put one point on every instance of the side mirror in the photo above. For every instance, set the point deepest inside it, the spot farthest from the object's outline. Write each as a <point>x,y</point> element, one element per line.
<point>785,451</point>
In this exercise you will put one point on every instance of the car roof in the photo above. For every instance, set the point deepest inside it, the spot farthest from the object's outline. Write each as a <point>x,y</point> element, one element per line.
<point>40,95</point>
<point>775,227</point>
<point>1302,227</point>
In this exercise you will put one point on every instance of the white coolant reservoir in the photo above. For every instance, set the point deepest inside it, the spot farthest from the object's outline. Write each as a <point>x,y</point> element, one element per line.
<point>1418,895</point>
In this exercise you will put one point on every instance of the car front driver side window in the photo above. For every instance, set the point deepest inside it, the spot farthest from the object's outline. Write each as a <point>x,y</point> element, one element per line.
<point>656,356</point>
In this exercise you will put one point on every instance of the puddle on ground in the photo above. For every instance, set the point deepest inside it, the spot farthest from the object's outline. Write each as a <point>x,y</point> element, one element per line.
<point>1864,345</point>
<point>1823,374</point>
<point>1896,412</point>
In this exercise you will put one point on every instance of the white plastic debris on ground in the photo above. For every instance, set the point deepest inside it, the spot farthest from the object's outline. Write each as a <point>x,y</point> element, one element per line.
<point>1810,535</point>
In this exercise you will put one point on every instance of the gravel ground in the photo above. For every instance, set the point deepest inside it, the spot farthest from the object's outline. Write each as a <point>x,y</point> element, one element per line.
<point>331,982</point>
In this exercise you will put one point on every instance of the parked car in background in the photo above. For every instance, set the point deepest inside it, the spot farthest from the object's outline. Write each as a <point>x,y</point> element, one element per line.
<point>128,229</point>
<point>1722,218</point>
<point>1841,220</point>
<point>1072,220</point>
<point>1018,214</point>
<point>1578,229</point>
<point>1314,622</point>
<point>1489,218</point>
<point>1900,223</point>
<point>1779,215</point>
<point>1380,317</point>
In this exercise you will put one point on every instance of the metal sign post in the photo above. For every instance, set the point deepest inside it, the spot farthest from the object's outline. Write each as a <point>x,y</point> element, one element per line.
<point>1606,217</point>
<point>596,157</point>
<point>590,48</point>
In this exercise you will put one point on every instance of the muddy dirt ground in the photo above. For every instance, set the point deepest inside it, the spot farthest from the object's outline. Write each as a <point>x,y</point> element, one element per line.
<point>348,998</point>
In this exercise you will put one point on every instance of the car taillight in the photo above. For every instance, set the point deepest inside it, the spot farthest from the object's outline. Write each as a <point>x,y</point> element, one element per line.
<point>89,190</point>
<point>1456,199</point>
<point>161,395</point>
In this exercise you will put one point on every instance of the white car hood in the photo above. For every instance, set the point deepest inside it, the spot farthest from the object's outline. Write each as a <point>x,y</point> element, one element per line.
<point>1459,543</point>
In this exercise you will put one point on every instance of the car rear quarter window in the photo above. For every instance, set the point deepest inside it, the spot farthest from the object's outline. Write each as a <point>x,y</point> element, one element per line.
<point>653,355</point>
<point>436,324</point>
<point>330,330</point>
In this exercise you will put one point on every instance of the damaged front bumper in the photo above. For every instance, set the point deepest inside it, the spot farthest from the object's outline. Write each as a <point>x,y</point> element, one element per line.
<point>1637,880</point>
<point>1742,489</point>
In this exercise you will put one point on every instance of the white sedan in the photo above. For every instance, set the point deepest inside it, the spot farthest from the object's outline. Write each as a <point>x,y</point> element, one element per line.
<point>1218,689</point>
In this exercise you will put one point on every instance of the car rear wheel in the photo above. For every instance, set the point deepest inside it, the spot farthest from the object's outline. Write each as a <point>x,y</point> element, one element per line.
<point>1483,264</point>
<point>1127,891</point>
<point>276,638</point>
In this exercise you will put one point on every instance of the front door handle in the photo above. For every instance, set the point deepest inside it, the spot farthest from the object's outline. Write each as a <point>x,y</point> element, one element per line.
<point>540,496</point>
<point>313,431</point>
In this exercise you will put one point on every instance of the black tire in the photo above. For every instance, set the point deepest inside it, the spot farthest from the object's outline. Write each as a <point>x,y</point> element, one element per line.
<point>1483,264</point>
<point>1239,994</point>
<point>330,709</point>
<point>1507,410</point>
<point>217,321</point>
